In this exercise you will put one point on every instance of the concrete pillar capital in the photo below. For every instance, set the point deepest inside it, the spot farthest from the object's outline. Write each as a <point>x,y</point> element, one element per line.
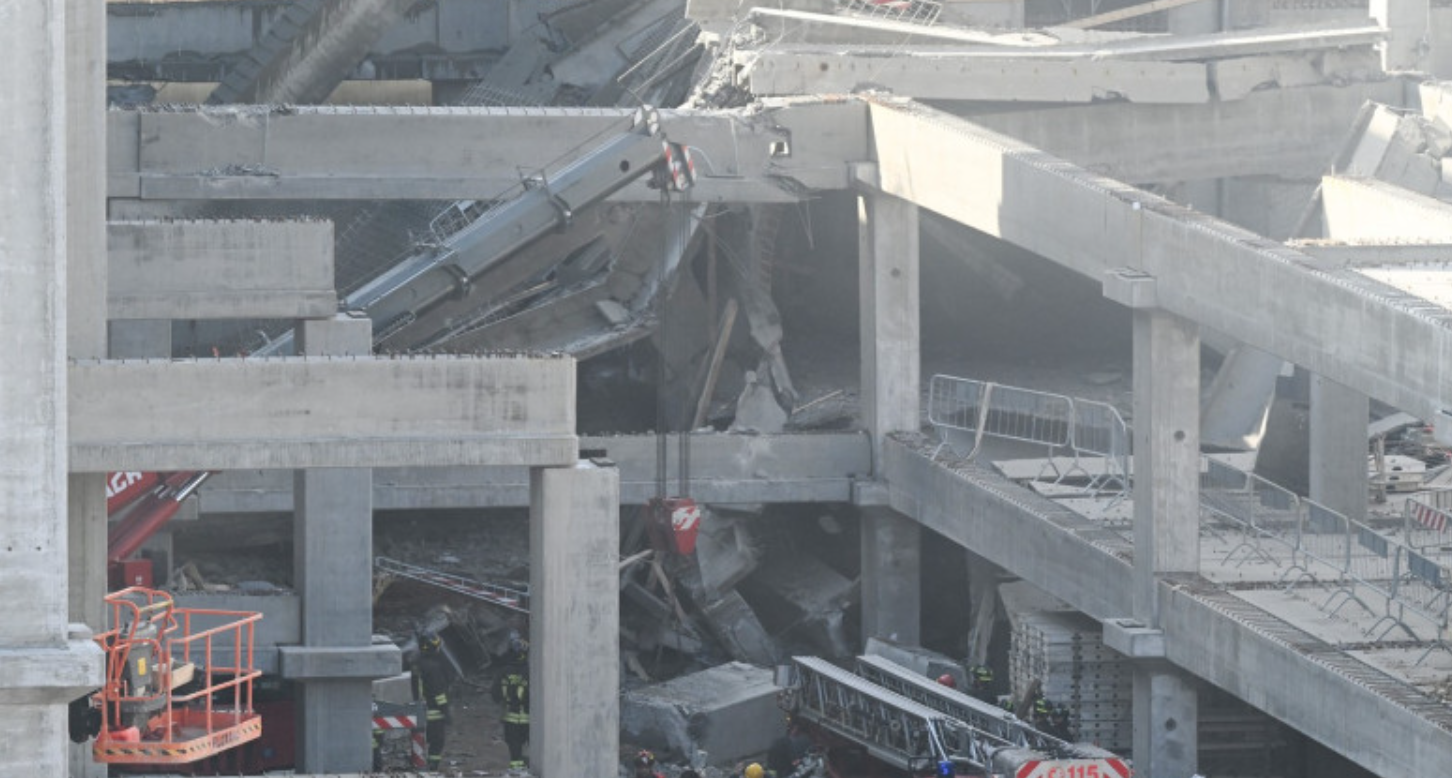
<point>1134,638</point>
<point>52,675</point>
<point>1131,287</point>
<point>865,176</point>
<point>333,662</point>
<point>869,493</point>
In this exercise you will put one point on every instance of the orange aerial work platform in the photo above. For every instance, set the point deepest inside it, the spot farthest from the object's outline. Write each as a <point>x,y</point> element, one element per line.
<point>178,681</point>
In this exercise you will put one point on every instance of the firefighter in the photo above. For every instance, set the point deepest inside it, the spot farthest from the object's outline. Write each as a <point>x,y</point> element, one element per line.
<point>511,689</point>
<point>1050,718</point>
<point>644,763</point>
<point>432,677</point>
<point>981,678</point>
<point>787,751</point>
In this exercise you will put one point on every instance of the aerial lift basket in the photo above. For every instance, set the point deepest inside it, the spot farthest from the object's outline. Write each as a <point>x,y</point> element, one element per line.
<point>178,681</point>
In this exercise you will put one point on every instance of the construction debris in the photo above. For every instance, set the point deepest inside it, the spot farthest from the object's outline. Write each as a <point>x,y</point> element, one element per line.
<point>729,712</point>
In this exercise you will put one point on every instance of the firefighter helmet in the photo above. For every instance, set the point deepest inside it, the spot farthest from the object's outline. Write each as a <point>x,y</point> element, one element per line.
<point>753,770</point>
<point>947,680</point>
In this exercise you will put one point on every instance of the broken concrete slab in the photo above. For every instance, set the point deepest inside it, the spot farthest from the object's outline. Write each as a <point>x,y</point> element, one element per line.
<point>924,661</point>
<point>729,619</point>
<point>806,598</point>
<point>729,712</point>
<point>725,553</point>
<point>757,410</point>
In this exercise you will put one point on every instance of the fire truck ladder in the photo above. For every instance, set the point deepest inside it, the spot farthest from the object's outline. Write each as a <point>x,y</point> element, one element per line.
<point>891,727</point>
<point>956,705</point>
<point>514,599</point>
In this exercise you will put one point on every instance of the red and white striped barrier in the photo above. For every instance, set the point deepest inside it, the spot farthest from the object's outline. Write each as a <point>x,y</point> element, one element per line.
<point>419,747</point>
<point>1427,516</point>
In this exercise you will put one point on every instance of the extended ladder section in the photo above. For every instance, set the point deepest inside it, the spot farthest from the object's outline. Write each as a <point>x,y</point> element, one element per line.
<point>448,265</point>
<point>912,735</point>
<point>956,705</point>
<point>890,727</point>
<point>515,599</point>
<point>178,681</point>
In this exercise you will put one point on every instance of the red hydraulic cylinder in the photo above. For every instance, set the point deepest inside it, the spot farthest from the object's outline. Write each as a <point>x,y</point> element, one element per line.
<point>151,514</point>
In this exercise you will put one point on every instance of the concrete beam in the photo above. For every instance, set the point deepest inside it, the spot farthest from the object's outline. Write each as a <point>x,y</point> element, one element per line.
<point>725,469</point>
<point>1031,536</point>
<point>1267,663</point>
<point>1205,270</point>
<point>775,72</point>
<point>1340,255</point>
<point>1262,41</point>
<point>220,270</point>
<point>1297,678</point>
<point>238,152</point>
<point>1364,209</point>
<point>792,25</point>
<point>201,41</point>
<point>300,412</point>
<point>1292,133</point>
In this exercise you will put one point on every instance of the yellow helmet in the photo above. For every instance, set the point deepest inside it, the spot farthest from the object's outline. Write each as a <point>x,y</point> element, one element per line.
<point>753,770</point>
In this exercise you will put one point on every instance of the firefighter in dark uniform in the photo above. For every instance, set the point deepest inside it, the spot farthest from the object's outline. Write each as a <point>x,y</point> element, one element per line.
<point>511,689</point>
<point>432,677</point>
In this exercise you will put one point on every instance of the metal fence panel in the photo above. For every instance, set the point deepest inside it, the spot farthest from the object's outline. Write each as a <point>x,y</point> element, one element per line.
<point>1005,412</point>
<point>1424,568</point>
<point>1324,520</point>
<point>1373,540</point>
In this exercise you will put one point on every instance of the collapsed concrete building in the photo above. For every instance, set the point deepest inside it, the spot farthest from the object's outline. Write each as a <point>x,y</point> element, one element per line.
<point>969,190</point>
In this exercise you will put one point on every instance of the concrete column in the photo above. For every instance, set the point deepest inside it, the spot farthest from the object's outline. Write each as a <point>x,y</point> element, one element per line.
<point>1408,42</point>
<point>333,573</point>
<point>1166,523</point>
<point>1166,452</point>
<point>983,605</point>
<point>86,307</point>
<point>887,247</point>
<point>44,667</point>
<point>888,289</point>
<point>1338,447</point>
<point>891,581</point>
<point>1166,720</point>
<point>574,650</point>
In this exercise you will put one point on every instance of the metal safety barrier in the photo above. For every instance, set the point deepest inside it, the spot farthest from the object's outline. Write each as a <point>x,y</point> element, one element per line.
<point>1308,542</point>
<point>1311,543</point>
<point>1091,434</point>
